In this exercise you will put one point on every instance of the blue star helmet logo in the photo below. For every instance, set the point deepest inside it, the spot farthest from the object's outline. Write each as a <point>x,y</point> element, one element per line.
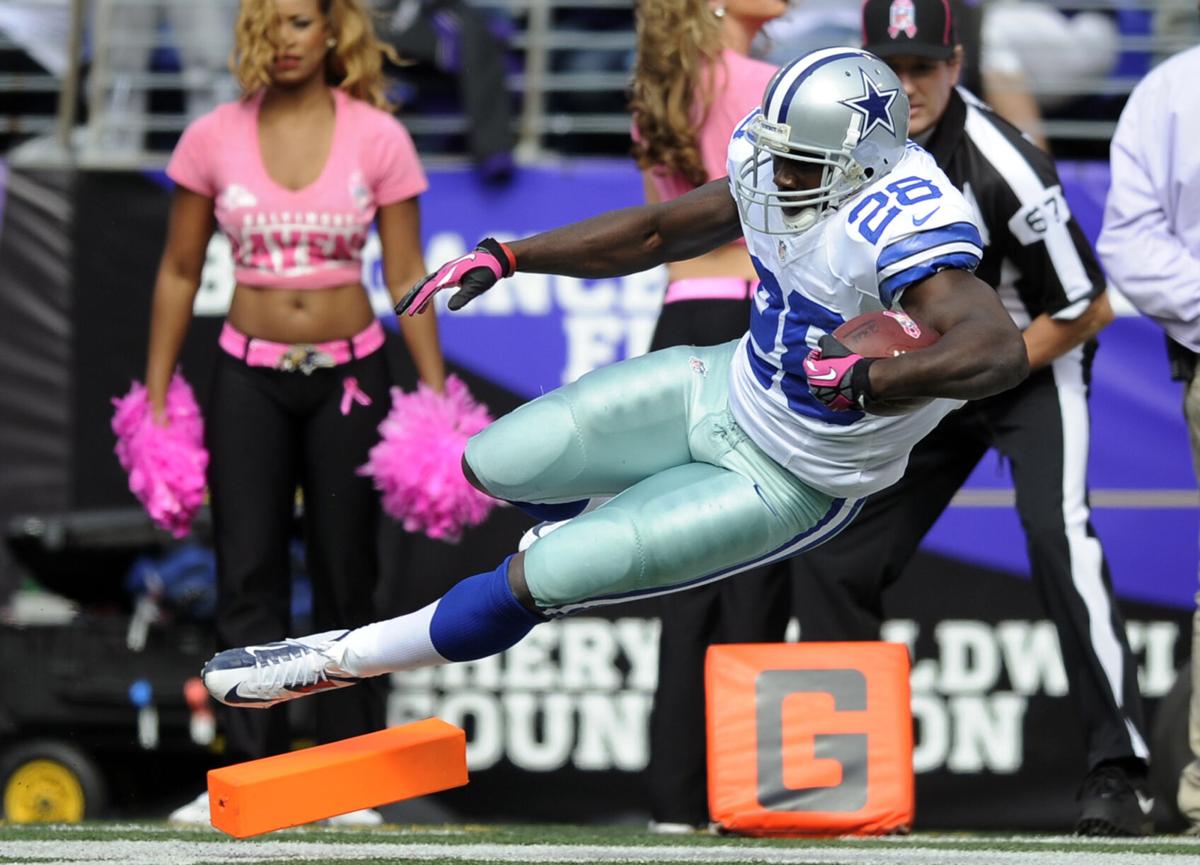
<point>874,105</point>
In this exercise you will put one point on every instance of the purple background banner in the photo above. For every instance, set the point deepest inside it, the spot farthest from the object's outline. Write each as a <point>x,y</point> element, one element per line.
<point>529,331</point>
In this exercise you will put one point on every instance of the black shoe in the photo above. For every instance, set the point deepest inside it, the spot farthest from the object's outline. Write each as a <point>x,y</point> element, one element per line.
<point>1114,802</point>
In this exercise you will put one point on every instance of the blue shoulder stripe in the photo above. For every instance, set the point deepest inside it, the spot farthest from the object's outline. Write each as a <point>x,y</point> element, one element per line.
<point>914,244</point>
<point>890,287</point>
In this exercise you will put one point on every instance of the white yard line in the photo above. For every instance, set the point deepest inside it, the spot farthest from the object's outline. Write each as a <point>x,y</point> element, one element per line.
<point>196,852</point>
<point>1041,840</point>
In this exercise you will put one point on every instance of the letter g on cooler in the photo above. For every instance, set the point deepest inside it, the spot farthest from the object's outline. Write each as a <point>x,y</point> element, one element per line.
<point>805,770</point>
<point>809,738</point>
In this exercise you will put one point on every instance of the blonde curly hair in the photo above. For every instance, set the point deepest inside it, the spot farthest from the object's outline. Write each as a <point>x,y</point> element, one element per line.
<point>672,93</point>
<point>355,64</point>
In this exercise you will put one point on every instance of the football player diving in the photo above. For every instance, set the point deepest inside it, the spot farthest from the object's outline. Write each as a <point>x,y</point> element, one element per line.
<point>716,459</point>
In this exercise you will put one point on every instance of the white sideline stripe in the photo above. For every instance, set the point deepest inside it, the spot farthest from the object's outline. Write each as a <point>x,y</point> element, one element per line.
<point>197,852</point>
<point>950,840</point>
<point>392,831</point>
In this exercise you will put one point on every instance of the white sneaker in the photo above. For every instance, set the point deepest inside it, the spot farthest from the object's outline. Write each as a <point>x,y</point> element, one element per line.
<point>258,677</point>
<point>666,828</point>
<point>194,813</point>
<point>365,817</point>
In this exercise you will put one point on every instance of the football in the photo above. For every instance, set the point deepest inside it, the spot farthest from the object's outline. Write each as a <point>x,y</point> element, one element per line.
<point>887,333</point>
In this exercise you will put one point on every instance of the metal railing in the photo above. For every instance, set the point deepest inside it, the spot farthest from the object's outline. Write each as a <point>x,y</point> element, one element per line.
<point>542,81</point>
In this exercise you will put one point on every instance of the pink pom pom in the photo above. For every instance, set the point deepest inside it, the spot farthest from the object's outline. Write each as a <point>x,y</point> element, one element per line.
<point>166,464</point>
<point>417,465</point>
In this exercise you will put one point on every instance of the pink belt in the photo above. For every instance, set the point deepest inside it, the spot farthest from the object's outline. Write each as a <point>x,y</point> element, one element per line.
<point>301,356</point>
<point>710,288</point>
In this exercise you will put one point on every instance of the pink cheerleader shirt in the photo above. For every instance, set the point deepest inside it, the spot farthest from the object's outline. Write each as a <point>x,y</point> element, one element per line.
<point>308,238</point>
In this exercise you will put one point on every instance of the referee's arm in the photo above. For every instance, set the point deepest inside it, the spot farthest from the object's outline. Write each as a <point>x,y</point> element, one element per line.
<point>1048,338</point>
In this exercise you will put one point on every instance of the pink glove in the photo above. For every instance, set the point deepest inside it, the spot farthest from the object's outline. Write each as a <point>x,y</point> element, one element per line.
<point>837,376</point>
<point>472,274</point>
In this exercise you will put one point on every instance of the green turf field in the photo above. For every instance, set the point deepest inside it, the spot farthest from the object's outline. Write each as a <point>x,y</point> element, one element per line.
<point>158,844</point>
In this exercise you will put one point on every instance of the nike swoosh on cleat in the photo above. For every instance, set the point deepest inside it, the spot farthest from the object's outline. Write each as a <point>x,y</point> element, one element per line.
<point>924,219</point>
<point>234,697</point>
<point>1146,803</point>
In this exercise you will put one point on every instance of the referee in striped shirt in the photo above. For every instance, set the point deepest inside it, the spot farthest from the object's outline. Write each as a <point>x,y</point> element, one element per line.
<point>1048,277</point>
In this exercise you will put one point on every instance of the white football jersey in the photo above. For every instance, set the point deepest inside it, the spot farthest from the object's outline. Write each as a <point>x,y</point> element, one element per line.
<point>896,231</point>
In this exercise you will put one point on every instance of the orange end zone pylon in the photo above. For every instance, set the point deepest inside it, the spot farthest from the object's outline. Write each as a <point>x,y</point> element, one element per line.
<point>361,772</point>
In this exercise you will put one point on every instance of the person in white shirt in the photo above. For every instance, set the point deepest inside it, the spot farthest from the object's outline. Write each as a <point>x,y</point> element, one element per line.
<point>1150,246</point>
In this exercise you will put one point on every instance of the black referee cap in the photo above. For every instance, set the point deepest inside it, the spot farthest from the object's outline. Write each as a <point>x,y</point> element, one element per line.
<point>921,28</point>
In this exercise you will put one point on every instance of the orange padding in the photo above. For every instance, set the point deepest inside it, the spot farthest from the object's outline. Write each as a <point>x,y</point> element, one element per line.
<point>809,738</point>
<point>361,772</point>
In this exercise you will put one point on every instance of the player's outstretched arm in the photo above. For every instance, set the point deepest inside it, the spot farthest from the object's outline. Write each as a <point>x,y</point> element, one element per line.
<point>636,238</point>
<point>612,244</point>
<point>981,351</point>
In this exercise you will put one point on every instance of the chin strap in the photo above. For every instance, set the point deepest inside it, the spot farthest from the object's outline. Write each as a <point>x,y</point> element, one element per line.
<point>803,221</point>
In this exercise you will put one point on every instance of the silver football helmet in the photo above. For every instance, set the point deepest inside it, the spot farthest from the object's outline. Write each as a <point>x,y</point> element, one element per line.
<point>838,109</point>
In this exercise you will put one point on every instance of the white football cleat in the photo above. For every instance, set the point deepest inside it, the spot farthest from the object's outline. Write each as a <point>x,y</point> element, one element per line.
<point>258,677</point>
<point>657,828</point>
<point>194,813</point>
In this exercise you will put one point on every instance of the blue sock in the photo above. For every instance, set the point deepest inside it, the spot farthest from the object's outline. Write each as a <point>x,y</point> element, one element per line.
<point>479,617</point>
<point>553,513</point>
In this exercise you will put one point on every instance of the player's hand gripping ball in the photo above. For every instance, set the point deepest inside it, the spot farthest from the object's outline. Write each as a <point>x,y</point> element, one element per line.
<point>887,333</point>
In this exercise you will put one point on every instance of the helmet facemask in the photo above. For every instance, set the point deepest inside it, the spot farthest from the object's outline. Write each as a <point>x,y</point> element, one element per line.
<point>799,210</point>
<point>837,109</point>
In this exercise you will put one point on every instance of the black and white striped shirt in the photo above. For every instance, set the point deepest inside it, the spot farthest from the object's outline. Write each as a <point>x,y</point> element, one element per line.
<point>1035,253</point>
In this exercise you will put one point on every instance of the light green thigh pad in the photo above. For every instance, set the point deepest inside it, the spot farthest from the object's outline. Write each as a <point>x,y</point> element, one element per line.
<point>596,436</point>
<point>722,507</point>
